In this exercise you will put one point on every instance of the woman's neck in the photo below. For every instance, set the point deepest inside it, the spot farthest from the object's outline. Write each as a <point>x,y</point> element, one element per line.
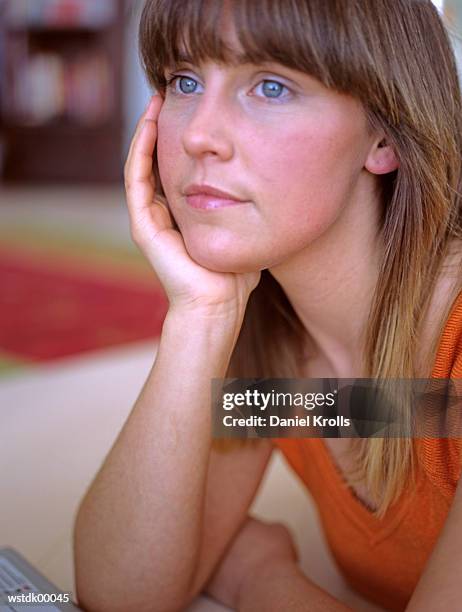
<point>331,284</point>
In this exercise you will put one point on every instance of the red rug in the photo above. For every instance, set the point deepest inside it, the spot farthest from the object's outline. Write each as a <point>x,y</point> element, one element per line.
<point>53,308</point>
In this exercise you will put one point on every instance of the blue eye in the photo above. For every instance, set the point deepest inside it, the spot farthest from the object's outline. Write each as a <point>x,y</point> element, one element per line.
<point>187,84</point>
<point>272,88</point>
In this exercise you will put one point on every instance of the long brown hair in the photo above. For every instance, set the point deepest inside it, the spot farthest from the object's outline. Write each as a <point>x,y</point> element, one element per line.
<point>396,58</point>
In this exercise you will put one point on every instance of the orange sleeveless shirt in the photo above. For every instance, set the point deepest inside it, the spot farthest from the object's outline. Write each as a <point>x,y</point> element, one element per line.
<point>384,559</point>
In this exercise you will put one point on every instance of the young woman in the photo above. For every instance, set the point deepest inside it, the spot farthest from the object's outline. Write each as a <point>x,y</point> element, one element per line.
<point>304,218</point>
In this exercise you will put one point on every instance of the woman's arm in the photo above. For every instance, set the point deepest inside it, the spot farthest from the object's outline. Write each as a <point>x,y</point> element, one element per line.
<point>440,586</point>
<point>260,574</point>
<point>138,530</point>
<point>282,586</point>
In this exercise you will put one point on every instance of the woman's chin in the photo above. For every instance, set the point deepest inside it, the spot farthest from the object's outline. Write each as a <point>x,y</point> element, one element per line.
<point>222,260</point>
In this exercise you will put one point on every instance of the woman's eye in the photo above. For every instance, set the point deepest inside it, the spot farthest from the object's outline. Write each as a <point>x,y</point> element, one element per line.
<point>186,84</point>
<point>271,89</point>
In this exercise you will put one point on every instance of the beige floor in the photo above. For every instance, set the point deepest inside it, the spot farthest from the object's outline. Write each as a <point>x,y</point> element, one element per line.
<point>58,421</point>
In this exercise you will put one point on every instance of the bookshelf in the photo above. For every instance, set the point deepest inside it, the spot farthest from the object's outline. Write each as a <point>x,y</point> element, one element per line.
<point>61,90</point>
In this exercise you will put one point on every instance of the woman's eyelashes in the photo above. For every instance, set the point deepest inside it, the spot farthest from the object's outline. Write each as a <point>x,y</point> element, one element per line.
<point>270,89</point>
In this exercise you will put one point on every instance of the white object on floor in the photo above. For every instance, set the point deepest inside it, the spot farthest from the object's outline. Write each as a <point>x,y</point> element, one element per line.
<point>57,423</point>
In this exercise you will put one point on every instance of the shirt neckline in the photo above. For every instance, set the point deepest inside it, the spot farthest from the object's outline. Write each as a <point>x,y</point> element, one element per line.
<point>376,529</point>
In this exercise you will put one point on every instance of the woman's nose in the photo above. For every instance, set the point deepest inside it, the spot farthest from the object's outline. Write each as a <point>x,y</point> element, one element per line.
<point>209,130</point>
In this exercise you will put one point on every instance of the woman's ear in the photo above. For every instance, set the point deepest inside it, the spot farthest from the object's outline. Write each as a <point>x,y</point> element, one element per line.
<point>382,158</point>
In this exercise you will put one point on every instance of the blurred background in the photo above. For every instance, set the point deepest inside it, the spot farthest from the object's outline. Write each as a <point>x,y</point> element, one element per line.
<point>80,309</point>
<point>71,91</point>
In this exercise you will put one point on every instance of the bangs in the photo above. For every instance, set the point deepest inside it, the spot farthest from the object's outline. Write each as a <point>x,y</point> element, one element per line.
<point>389,54</point>
<point>283,31</point>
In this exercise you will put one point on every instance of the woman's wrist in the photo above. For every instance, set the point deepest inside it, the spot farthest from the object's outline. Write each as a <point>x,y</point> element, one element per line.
<point>272,579</point>
<point>226,313</point>
<point>281,585</point>
<point>220,325</point>
<point>201,338</point>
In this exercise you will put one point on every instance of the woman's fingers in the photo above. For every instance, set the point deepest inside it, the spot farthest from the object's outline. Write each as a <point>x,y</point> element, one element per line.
<point>139,181</point>
<point>139,161</point>
<point>151,112</point>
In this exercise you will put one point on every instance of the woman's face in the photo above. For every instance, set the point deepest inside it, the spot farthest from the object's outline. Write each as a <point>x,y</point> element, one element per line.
<point>269,135</point>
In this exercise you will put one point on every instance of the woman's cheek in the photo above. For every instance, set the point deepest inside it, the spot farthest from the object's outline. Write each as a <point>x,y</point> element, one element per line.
<point>298,201</point>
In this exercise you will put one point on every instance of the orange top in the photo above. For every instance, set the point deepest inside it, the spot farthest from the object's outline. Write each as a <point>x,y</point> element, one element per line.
<point>383,559</point>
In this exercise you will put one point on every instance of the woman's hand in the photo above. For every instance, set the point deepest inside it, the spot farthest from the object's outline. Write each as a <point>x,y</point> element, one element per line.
<point>256,546</point>
<point>187,284</point>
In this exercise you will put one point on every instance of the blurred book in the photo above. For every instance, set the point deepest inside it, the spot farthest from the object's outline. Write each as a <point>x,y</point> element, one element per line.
<point>48,86</point>
<point>88,89</point>
<point>60,13</point>
<point>38,88</point>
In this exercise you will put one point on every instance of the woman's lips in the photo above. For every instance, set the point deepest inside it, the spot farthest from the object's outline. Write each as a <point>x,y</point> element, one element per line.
<point>208,197</point>
<point>210,202</point>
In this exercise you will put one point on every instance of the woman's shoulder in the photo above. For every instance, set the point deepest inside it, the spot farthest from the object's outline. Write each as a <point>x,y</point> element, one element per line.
<point>441,458</point>
<point>447,361</point>
<point>439,343</point>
